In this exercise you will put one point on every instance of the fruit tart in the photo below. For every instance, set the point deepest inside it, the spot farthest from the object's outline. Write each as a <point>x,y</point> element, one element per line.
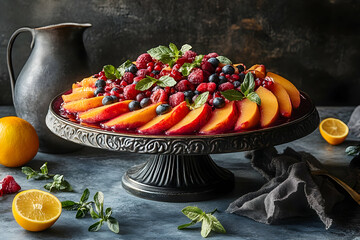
<point>179,92</point>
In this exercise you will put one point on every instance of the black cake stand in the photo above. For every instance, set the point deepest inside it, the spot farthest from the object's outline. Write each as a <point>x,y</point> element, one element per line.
<point>180,168</point>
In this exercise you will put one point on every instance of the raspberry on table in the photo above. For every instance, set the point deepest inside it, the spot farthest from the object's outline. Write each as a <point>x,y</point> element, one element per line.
<point>9,185</point>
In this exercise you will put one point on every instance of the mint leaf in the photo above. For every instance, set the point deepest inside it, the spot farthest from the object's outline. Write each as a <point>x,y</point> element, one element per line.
<point>44,170</point>
<point>206,226</point>
<point>254,97</point>
<point>353,150</point>
<point>185,48</point>
<point>216,225</point>
<point>69,205</point>
<point>232,95</point>
<point>85,196</point>
<point>110,71</point>
<point>248,84</point>
<point>121,69</point>
<point>82,206</point>
<point>186,225</point>
<point>224,60</point>
<point>187,67</point>
<point>96,226</point>
<point>113,224</point>
<point>145,83</point>
<point>201,100</point>
<point>31,173</point>
<point>174,49</point>
<point>93,214</point>
<point>161,53</point>
<point>99,202</point>
<point>194,213</point>
<point>166,81</point>
<point>59,184</point>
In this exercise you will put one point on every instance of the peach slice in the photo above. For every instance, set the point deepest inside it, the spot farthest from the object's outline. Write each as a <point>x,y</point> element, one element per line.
<point>253,67</point>
<point>83,105</point>
<point>289,87</point>
<point>260,71</point>
<point>249,115</point>
<point>83,89</point>
<point>88,82</point>
<point>132,120</point>
<point>221,120</point>
<point>283,98</point>
<point>77,96</point>
<point>269,108</point>
<point>103,113</point>
<point>192,122</point>
<point>161,123</point>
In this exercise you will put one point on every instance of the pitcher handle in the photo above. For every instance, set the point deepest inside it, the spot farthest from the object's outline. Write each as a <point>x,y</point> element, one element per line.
<point>9,50</point>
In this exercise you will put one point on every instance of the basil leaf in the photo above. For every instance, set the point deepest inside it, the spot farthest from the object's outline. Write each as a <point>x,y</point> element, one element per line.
<point>254,97</point>
<point>248,84</point>
<point>174,49</point>
<point>161,53</point>
<point>69,205</point>
<point>215,224</point>
<point>352,150</point>
<point>85,196</point>
<point>93,214</point>
<point>144,84</point>
<point>44,169</point>
<point>113,224</point>
<point>99,202</point>
<point>166,81</point>
<point>186,225</point>
<point>185,48</point>
<point>186,68</point>
<point>121,69</point>
<point>80,213</point>
<point>110,71</point>
<point>224,60</point>
<point>194,213</point>
<point>108,213</point>
<point>200,100</point>
<point>206,226</point>
<point>198,60</point>
<point>232,95</point>
<point>96,226</point>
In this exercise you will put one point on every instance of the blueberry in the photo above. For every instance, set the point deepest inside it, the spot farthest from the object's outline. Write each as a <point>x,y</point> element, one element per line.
<point>236,84</point>
<point>100,83</point>
<point>162,109</point>
<point>242,76</point>
<point>241,68</point>
<point>115,89</point>
<point>196,92</point>
<point>228,69</point>
<point>115,99</point>
<point>218,102</point>
<point>214,61</point>
<point>145,102</point>
<point>107,100</point>
<point>155,72</point>
<point>189,95</point>
<point>133,69</point>
<point>99,90</point>
<point>222,79</point>
<point>214,78</point>
<point>134,105</point>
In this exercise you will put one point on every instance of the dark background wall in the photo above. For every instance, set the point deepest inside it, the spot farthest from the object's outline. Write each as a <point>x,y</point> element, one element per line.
<point>315,44</point>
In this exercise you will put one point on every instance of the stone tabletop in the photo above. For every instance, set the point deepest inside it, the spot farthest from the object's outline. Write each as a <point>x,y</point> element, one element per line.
<point>102,170</point>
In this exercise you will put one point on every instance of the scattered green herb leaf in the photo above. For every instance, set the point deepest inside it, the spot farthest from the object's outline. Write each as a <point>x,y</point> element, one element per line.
<point>82,207</point>
<point>224,60</point>
<point>187,67</point>
<point>209,222</point>
<point>199,101</point>
<point>168,55</point>
<point>233,95</point>
<point>147,82</point>
<point>353,150</point>
<point>121,69</point>
<point>31,173</point>
<point>98,213</point>
<point>59,184</point>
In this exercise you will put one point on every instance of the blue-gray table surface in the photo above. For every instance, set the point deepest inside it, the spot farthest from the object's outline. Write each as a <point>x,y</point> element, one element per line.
<point>102,170</point>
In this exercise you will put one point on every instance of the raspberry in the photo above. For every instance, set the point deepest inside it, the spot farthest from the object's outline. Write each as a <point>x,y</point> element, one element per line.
<point>159,96</point>
<point>130,92</point>
<point>226,86</point>
<point>137,79</point>
<point>235,77</point>
<point>207,74</point>
<point>128,77</point>
<point>181,61</point>
<point>202,87</point>
<point>9,185</point>
<point>211,87</point>
<point>142,60</point>
<point>196,76</point>
<point>183,85</point>
<point>190,55</point>
<point>176,99</point>
<point>140,96</point>
<point>213,55</point>
<point>206,66</point>
<point>142,73</point>
<point>176,75</point>
<point>176,67</point>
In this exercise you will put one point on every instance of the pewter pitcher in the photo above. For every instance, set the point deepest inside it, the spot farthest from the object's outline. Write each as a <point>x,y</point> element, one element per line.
<point>58,59</point>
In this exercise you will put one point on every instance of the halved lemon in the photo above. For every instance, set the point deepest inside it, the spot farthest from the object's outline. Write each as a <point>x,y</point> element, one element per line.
<point>36,210</point>
<point>333,130</point>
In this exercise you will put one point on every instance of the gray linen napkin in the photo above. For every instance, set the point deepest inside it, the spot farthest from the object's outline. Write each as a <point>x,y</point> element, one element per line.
<point>354,125</point>
<point>291,190</point>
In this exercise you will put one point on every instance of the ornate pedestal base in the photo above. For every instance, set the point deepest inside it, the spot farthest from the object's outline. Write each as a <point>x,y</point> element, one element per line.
<point>178,178</point>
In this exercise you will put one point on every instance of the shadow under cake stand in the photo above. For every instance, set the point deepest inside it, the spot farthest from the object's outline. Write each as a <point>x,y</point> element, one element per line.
<point>180,168</point>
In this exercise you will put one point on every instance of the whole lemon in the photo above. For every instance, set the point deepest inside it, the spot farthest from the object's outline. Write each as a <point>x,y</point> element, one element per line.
<point>18,140</point>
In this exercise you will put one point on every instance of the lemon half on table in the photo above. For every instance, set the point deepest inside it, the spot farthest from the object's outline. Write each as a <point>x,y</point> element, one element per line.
<point>36,210</point>
<point>333,130</point>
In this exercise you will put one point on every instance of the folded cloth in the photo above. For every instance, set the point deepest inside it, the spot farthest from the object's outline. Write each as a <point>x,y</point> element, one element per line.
<point>354,124</point>
<point>291,190</point>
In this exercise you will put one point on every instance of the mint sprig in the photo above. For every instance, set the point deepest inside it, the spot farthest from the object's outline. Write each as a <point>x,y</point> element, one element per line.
<point>353,150</point>
<point>98,213</point>
<point>209,222</point>
<point>224,60</point>
<point>246,91</point>
<point>58,184</point>
<point>31,173</point>
<point>82,207</point>
<point>147,82</point>
<point>187,67</point>
<point>199,101</point>
<point>168,55</point>
<point>116,73</point>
